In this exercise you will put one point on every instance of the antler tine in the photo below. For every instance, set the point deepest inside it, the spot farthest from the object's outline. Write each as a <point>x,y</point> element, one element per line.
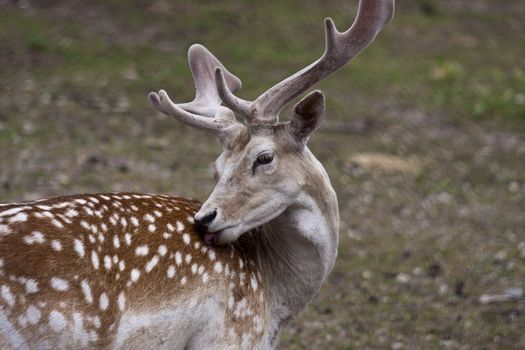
<point>202,112</point>
<point>162,103</point>
<point>340,49</point>
<point>231,101</point>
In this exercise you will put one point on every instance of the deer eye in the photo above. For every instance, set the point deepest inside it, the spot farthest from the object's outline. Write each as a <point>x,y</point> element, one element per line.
<point>264,158</point>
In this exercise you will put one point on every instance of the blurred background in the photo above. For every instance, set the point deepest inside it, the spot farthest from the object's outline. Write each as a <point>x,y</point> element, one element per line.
<point>424,140</point>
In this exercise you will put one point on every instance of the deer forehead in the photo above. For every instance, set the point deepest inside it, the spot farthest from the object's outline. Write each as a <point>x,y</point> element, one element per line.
<point>254,139</point>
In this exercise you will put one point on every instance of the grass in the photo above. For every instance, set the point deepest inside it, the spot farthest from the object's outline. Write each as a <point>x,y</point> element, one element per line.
<point>442,89</point>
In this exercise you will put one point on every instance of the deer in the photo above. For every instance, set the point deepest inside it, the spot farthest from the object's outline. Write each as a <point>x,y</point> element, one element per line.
<point>136,271</point>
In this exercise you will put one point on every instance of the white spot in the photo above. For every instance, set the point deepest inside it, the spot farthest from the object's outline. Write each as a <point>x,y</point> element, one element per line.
<point>205,277</point>
<point>211,254</point>
<point>94,259</point>
<point>157,213</point>
<point>56,245</point>
<point>33,314</point>
<point>7,295</point>
<point>35,237</point>
<point>71,213</point>
<point>134,221</point>
<point>253,282</point>
<point>134,207</point>
<point>170,227</point>
<point>104,227</point>
<point>107,262</point>
<point>194,268</point>
<point>79,332</point>
<point>149,218</point>
<point>151,228</point>
<point>46,214</point>
<point>62,205</point>
<point>20,217</point>
<point>121,265</point>
<point>123,222</point>
<point>85,225</point>
<point>57,223</point>
<point>201,269</point>
<point>65,219</point>
<point>180,226</point>
<point>57,321</point>
<point>187,258</point>
<point>79,247</point>
<point>152,263</point>
<point>241,278</point>
<point>162,250</point>
<point>142,250</point>
<point>178,258</point>
<point>92,238</point>
<point>186,238</point>
<point>59,284</point>
<point>171,271</point>
<point>218,267</point>
<point>190,219</point>
<point>241,263</point>
<point>103,301</point>
<point>116,242</point>
<point>121,301</point>
<point>31,286</point>
<point>115,259</point>
<point>127,239</point>
<point>4,230</point>
<point>231,301</point>
<point>13,211</point>
<point>183,280</point>
<point>87,291</point>
<point>96,322</point>
<point>135,274</point>
<point>105,197</point>
<point>94,200</point>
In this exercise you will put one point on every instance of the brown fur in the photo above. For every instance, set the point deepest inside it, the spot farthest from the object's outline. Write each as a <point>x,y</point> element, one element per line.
<point>28,258</point>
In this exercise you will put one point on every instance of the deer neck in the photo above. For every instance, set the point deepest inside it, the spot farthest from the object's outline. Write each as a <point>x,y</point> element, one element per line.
<point>297,249</point>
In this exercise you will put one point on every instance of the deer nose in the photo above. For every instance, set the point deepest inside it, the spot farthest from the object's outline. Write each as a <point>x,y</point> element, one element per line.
<point>205,219</point>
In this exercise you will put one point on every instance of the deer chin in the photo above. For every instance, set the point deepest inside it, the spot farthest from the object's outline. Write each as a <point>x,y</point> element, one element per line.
<point>224,236</point>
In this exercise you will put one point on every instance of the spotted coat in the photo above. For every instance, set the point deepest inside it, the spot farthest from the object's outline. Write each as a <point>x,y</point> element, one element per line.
<point>72,267</point>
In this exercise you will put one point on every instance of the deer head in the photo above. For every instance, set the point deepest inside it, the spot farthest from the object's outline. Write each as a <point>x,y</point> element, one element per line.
<point>265,164</point>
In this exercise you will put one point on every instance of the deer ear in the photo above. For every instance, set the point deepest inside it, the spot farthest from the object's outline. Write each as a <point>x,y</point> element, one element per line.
<point>307,116</point>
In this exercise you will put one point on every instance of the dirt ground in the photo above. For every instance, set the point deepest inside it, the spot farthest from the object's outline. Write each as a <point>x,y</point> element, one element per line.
<point>424,141</point>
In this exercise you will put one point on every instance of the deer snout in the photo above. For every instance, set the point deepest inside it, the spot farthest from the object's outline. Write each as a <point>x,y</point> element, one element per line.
<point>205,218</point>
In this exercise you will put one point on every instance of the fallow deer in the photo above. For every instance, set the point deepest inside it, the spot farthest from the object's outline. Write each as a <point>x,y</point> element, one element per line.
<point>137,271</point>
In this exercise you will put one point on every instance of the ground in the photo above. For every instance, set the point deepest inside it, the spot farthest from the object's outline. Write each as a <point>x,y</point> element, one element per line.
<point>424,140</point>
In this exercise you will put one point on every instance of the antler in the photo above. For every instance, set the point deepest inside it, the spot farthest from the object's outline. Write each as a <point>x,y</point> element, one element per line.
<point>205,110</point>
<point>340,49</point>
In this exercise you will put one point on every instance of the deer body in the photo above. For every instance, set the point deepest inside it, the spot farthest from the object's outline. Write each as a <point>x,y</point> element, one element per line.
<point>130,270</point>
<point>136,271</point>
